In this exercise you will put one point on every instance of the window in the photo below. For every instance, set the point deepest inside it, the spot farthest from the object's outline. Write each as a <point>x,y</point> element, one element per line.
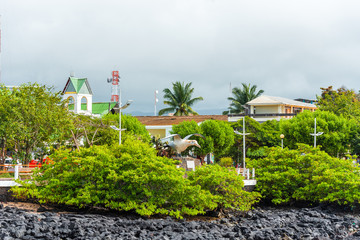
<point>84,103</point>
<point>71,102</point>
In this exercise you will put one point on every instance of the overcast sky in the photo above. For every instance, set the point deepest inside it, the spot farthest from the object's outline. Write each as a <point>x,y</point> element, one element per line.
<point>287,48</point>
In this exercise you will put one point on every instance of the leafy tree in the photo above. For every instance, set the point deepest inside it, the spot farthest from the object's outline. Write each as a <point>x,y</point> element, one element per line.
<point>241,96</point>
<point>261,135</point>
<point>226,162</point>
<point>97,131</point>
<point>219,136</point>
<point>306,174</point>
<point>346,103</point>
<point>39,116</point>
<point>8,118</point>
<point>132,125</point>
<point>337,131</point>
<point>180,100</point>
<point>341,102</point>
<point>86,128</point>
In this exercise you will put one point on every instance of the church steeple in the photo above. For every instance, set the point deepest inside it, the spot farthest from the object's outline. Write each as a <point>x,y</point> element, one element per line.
<point>79,94</point>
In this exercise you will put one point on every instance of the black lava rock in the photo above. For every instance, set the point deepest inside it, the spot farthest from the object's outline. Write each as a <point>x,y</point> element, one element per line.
<point>270,223</point>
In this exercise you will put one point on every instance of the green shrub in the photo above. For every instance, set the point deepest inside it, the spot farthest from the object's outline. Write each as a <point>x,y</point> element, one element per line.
<point>226,185</point>
<point>306,174</point>
<point>126,177</point>
<point>226,162</point>
<point>7,175</point>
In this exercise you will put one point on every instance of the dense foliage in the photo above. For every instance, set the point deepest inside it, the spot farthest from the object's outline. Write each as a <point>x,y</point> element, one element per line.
<point>226,185</point>
<point>179,100</point>
<point>126,177</point>
<point>341,102</point>
<point>219,136</point>
<point>338,131</point>
<point>132,125</point>
<point>129,177</point>
<point>306,174</point>
<point>32,115</point>
<point>261,135</point>
<point>344,103</point>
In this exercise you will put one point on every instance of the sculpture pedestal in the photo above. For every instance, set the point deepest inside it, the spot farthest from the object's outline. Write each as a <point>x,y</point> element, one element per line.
<point>188,163</point>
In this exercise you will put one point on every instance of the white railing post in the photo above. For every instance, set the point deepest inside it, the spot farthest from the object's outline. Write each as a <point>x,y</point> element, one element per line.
<point>16,172</point>
<point>253,173</point>
<point>248,174</point>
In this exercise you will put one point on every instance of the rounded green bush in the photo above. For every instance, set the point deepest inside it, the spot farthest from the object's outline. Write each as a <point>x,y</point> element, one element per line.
<point>306,174</point>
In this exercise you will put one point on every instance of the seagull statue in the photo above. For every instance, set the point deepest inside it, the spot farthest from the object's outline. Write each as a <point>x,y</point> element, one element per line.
<point>180,145</point>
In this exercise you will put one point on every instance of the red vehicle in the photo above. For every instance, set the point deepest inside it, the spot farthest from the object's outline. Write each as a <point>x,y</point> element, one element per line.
<point>34,163</point>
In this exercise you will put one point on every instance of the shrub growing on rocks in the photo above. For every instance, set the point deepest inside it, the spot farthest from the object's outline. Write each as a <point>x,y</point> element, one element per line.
<point>226,185</point>
<point>126,177</point>
<point>306,174</point>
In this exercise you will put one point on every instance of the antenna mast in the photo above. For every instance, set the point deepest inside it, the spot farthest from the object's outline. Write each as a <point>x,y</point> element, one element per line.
<point>115,86</point>
<point>0,48</point>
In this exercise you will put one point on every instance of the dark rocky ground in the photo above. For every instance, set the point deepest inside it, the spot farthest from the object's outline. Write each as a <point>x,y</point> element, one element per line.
<point>261,223</point>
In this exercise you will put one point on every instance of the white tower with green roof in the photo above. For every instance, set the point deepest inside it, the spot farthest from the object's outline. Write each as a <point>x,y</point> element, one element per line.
<point>79,94</point>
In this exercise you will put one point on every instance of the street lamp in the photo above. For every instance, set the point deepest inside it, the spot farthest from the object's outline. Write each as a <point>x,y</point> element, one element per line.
<point>243,134</point>
<point>120,108</point>
<point>282,140</point>
<point>156,100</point>
<point>315,134</point>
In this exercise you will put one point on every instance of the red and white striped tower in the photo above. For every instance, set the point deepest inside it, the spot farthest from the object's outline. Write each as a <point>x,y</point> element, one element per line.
<point>115,86</point>
<point>0,48</point>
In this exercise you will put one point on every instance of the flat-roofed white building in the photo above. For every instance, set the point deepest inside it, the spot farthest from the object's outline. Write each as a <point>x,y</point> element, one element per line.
<point>265,108</point>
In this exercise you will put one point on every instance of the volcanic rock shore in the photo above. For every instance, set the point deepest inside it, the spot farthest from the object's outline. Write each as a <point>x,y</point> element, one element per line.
<point>261,223</point>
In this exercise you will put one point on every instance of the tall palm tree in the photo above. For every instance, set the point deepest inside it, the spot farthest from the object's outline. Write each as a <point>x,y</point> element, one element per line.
<point>179,100</point>
<point>241,96</point>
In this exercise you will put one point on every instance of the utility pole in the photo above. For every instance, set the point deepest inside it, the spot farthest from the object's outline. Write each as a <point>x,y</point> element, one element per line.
<point>0,48</point>
<point>315,134</point>
<point>116,97</point>
<point>244,148</point>
<point>156,100</point>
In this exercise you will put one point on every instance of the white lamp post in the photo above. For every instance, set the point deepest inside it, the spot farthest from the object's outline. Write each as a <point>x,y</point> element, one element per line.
<point>120,108</point>
<point>119,129</point>
<point>243,134</point>
<point>156,100</point>
<point>282,140</point>
<point>315,134</point>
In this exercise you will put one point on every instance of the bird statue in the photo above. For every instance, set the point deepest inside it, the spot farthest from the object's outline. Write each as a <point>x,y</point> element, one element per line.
<point>180,145</point>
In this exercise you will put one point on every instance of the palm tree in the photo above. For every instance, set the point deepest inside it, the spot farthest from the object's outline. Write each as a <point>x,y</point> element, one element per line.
<point>179,100</point>
<point>241,96</point>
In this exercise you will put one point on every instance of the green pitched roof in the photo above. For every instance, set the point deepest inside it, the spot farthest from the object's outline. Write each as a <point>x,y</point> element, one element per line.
<point>77,85</point>
<point>102,107</point>
<point>97,108</point>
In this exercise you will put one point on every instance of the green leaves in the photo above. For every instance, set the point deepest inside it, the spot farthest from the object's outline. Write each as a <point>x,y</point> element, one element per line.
<point>337,136</point>
<point>306,174</point>
<point>179,100</point>
<point>241,96</point>
<point>131,177</point>
<point>219,136</point>
<point>126,177</point>
<point>33,114</point>
<point>226,185</point>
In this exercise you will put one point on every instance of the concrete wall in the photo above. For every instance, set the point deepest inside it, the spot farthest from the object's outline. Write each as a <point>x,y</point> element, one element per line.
<point>158,133</point>
<point>267,109</point>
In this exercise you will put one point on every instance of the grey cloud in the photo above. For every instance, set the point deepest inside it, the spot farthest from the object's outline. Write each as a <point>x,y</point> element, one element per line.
<point>289,49</point>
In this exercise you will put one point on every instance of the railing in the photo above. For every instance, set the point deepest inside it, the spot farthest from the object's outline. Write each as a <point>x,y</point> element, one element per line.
<point>264,115</point>
<point>17,169</point>
<point>245,172</point>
